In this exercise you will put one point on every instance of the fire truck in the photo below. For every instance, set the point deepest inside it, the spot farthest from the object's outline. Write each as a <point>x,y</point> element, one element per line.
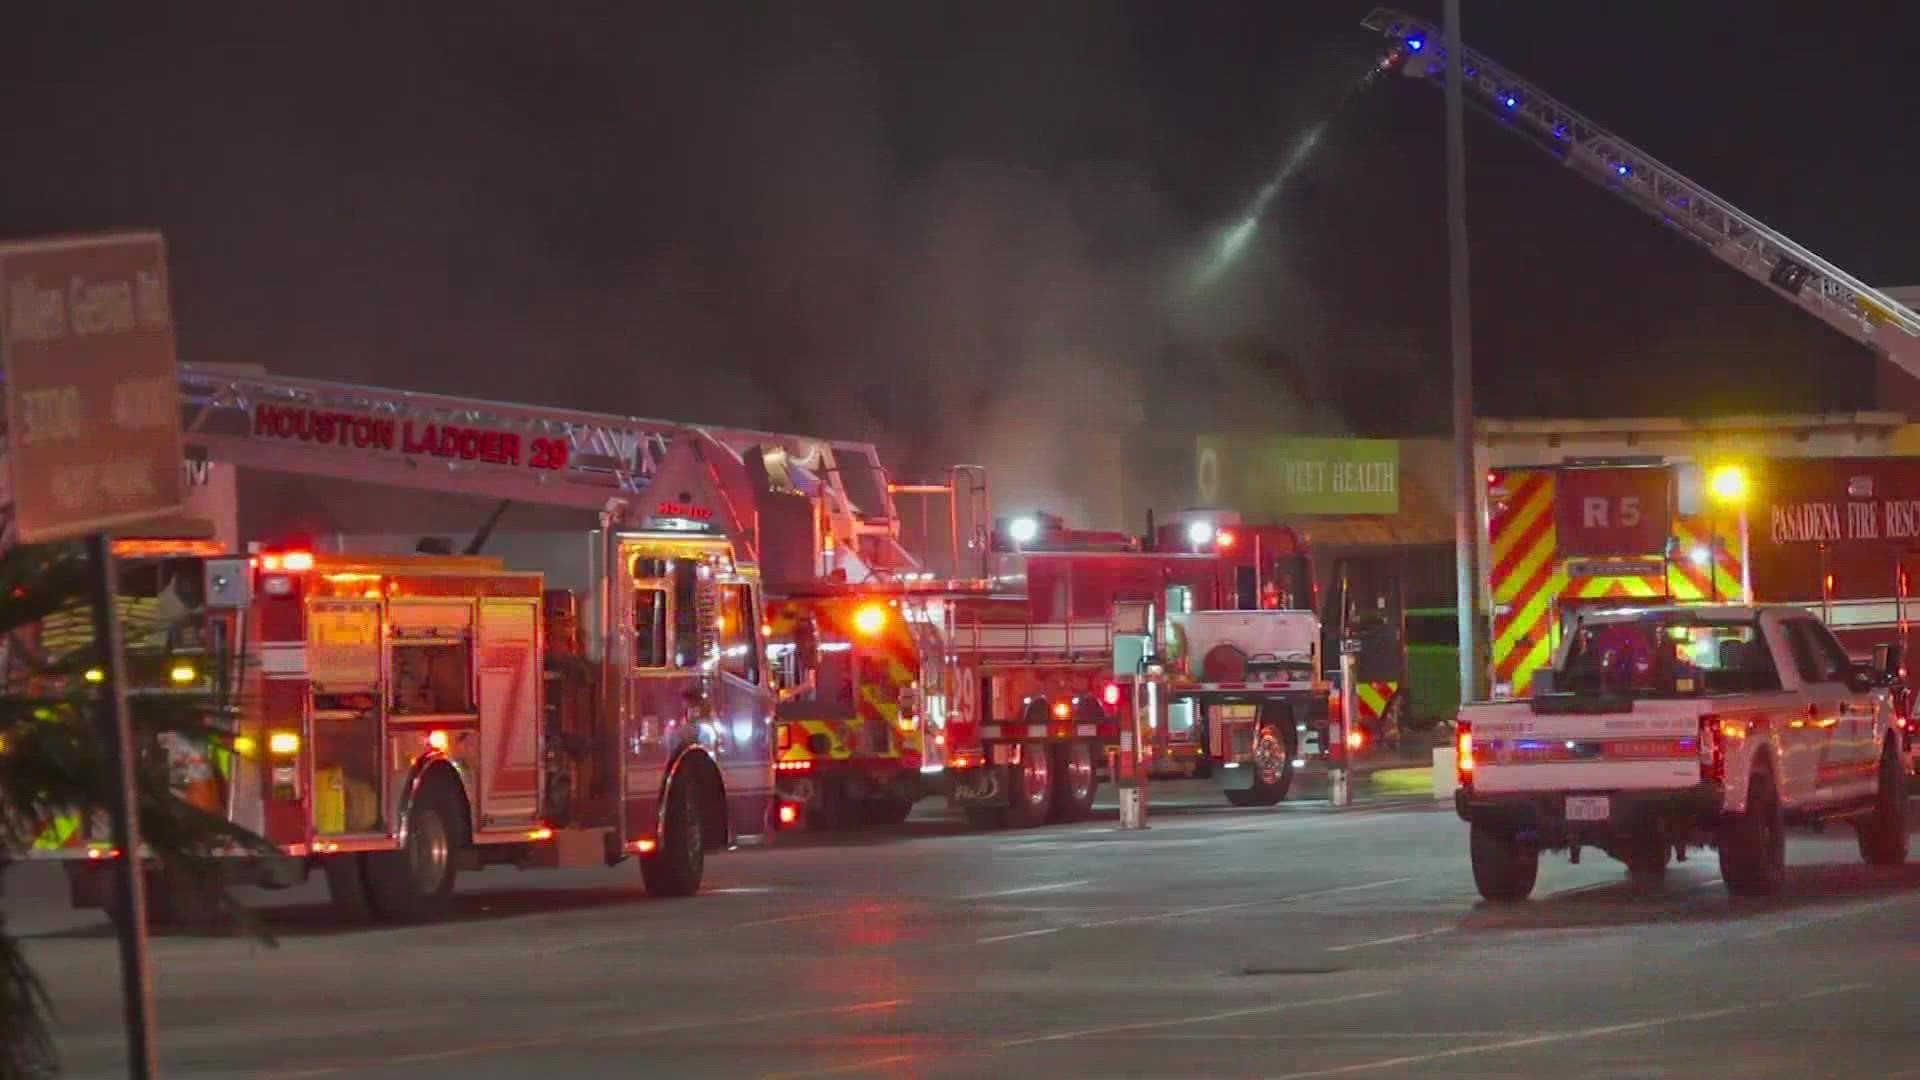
<point>396,719</point>
<point>1000,689</point>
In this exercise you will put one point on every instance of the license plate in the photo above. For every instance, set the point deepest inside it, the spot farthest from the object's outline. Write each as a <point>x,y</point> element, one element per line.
<point>1587,808</point>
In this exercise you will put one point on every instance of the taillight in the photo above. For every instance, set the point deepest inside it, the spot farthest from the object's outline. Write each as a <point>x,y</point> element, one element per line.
<point>1110,694</point>
<point>1463,751</point>
<point>1713,751</point>
<point>1356,738</point>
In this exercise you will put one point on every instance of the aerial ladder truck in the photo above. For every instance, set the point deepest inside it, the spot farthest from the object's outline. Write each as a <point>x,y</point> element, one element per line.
<point>391,720</point>
<point>1537,578</point>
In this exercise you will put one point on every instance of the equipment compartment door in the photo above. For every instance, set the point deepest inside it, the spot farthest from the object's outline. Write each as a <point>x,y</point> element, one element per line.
<point>509,707</point>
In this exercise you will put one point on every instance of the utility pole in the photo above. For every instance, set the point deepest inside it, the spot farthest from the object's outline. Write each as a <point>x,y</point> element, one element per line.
<point>1466,516</point>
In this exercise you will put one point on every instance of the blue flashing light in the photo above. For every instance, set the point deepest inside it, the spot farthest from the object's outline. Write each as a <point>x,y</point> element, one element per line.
<point>1559,131</point>
<point>1623,169</point>
<point>1509,101</point>
<point>1415,42</point>
<point>1472,71</point>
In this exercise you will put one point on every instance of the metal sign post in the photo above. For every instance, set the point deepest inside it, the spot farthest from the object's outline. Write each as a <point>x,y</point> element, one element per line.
<point>1131,662</point>
<point>1339,782</point>
<point>93,443</point>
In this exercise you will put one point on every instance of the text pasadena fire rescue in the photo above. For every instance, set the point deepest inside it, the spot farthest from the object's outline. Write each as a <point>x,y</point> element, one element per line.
<point>407,436</point>
<point>1825,522</point>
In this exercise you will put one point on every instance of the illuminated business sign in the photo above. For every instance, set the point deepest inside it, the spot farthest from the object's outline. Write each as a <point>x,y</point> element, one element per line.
<point>1277,476</point>
<point>327,427</point>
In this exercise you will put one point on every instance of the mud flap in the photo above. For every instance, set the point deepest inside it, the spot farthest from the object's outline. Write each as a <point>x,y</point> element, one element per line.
<point>986,787</point>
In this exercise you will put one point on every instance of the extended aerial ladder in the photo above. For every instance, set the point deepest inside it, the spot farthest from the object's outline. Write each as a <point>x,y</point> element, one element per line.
<point>1417,50</point>
<point>599,462</point>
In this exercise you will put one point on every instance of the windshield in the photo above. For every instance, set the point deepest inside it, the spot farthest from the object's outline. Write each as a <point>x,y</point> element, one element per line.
<point>1667,655</point>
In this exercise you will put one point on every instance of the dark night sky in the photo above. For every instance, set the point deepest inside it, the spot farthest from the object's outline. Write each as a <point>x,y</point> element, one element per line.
<point>964,229</point>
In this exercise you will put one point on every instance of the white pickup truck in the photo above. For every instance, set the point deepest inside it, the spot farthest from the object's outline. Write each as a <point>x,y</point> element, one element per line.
<point>1665,728</point>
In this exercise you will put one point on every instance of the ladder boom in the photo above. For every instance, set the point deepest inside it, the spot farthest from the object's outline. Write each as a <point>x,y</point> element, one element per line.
<point>1738,239</point>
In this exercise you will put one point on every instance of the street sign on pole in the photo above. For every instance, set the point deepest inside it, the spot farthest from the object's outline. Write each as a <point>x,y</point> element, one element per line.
<point>93,443</point>
<point>93,413</point>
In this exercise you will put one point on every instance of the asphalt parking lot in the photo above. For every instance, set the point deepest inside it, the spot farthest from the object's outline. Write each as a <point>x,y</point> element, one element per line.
<point>1293,942</point>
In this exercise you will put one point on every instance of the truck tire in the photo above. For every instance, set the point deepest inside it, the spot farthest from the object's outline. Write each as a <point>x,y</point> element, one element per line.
<point>1504,869</point>
<point>1753,846</point>
<point>415,883</point>
<point>1883,836</point>
<point>1030,787</point>
<point>680,860</point>
<point>1077,781</point>
<point>347,887</point>
<point>1273,768</point>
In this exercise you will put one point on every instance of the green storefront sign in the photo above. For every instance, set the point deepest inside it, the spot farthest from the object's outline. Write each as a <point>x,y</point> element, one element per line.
<point>1277,476</point>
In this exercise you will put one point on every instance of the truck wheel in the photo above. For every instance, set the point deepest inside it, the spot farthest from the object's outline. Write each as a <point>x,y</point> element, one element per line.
<point>415,883</point>
<point>1272,770</point>
<point>1753,846</point>
<point>1883,836</point>
<point>347,887</point>
<point>1030,787</point>
<point>1073,793</point>
<point>679,862</point>
<point>1504,869</point>
<point>886,810</point>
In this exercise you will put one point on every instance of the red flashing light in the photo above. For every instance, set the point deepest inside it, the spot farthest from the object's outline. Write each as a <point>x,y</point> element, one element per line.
<point>645,847</point>
<point>1224,540</point>
<point>789,813</point>
<point>1713,750</point>
<point>1463,752</point>
<point>805,765</point>
<point>1110,694</point>
<point>438,740</point>
<point>1062,710</point>
<point>1356,739</point>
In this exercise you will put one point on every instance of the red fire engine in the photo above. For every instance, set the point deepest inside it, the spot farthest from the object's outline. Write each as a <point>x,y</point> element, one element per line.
<point>400,718</point>
<point>1001,690</point>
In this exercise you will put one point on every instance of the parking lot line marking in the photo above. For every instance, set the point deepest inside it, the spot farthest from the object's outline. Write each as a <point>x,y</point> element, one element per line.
<point>1828,991</point>
<point>1145,1025</point>
<point>778,919</point>
<point>1021,934</point>
<point>1024,890</point>
<point>834,1070</point>
<point>1240,905</point>
<point>1828,916</point>
<point>1394,940</point>
<point>641,1031</point>
<point>1181,913</point>
<point>1532,1040</point>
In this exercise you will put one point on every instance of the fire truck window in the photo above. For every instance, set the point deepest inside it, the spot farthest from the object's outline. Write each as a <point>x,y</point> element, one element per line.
<point>431,679</point>
<point>686,614</point>
<point>738,628</point>
<point>649,628</point>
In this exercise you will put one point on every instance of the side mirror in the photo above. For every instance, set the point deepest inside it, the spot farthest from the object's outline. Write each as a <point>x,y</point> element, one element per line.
<point>1862,678</point>
<point>1888,659</point>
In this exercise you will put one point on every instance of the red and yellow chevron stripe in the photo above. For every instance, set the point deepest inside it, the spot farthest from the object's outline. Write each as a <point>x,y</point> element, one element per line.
<point>1531,586</point>
<point>885,665</point>
<point>1524,574</point>
<point>1371,698</point>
